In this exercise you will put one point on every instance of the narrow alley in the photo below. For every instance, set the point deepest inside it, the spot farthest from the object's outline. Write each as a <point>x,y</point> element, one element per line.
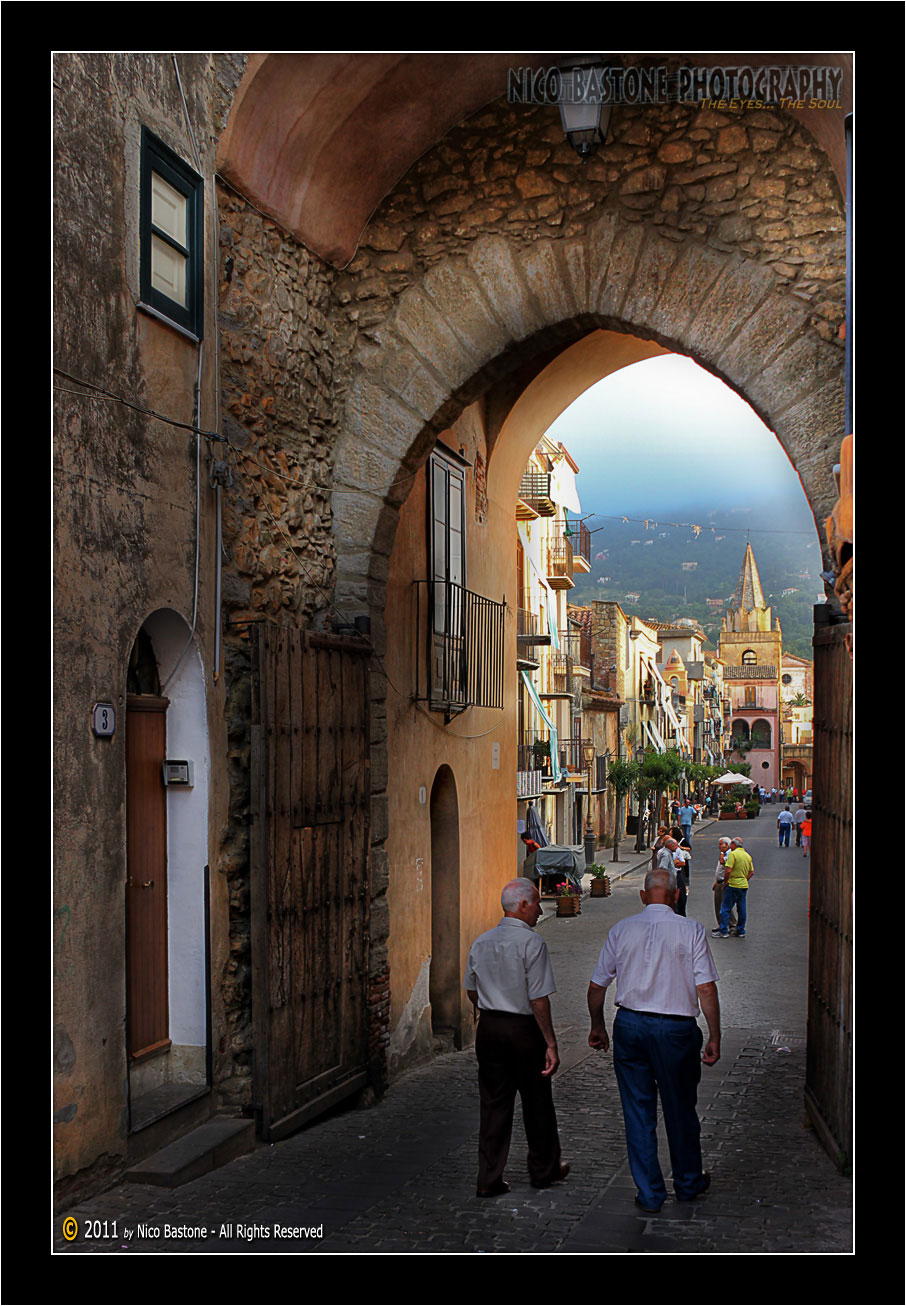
<point>399,1177</point>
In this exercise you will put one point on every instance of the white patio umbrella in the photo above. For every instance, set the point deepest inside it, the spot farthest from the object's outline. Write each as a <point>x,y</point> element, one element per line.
<point>730,778</point>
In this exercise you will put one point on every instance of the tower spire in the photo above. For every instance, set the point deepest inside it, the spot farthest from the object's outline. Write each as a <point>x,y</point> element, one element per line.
<point>748,593</point>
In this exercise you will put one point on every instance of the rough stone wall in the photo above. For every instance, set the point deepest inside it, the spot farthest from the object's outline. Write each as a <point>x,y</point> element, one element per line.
<point>750,182</point>
<point>278,416</point>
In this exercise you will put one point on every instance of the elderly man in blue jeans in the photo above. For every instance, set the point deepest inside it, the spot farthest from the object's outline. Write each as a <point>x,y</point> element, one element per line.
<point>664,973</point>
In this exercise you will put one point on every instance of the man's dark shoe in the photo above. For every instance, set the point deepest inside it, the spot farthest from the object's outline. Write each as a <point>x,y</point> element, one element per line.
<point>704,1188</point>
<point>651,1210</point>
<point>495,1190</point>
<point>564,1171</point>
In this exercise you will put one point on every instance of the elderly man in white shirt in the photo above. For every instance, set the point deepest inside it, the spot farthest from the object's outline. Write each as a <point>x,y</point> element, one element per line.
<point>664,972</point>
<point>509,982</point>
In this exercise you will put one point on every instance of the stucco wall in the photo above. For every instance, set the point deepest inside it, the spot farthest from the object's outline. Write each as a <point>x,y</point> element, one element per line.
<point>419,743</point>
<point>125,536</point>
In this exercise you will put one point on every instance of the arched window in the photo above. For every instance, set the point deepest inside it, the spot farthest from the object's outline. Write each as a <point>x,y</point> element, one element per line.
<point>749,658</point>
<point>761,733</point>
<point>740,733</point>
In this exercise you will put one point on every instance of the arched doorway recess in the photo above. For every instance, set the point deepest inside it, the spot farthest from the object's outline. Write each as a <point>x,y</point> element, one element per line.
<point>445,911</point>
<point>166,956</point>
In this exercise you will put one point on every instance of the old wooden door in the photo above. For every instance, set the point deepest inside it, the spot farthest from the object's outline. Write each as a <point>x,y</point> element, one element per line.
<point>828,1088</point>
<point>148,1008</point>
<point>309,873</point>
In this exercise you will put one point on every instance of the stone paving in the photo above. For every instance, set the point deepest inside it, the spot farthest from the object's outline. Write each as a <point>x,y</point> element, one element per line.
<point>399,1176</point>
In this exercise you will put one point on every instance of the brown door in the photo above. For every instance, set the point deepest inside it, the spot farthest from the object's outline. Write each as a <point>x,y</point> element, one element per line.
<point>309,873</point>
<point>146,876</point>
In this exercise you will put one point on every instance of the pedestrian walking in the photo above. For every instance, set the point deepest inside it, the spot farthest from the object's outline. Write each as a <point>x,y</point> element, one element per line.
<point>509,982</point>
<point>682,865</point>
<point>785,822</point>
<point>807,833</point>
<point>664,974</point>
<point>658,844</point>
<point>738,871</point>
<point>686,817</point>
<point>723,847</point>
<point>798,818</point>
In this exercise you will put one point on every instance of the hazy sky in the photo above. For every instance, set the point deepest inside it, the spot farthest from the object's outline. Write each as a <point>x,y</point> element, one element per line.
<point>664,433</point>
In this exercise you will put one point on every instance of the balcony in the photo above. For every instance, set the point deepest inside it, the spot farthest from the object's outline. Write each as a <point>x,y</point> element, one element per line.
<point>571,755</point>
<point>535,493</point>
<point>560,564</point>
<point>531,629</point>
<point>529,784</point>
<point>465,633</point>
<point>581,542</point>
<point>533,754</point>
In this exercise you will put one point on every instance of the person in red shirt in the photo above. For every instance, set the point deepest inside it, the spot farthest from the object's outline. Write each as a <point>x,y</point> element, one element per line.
<point>807,833</point>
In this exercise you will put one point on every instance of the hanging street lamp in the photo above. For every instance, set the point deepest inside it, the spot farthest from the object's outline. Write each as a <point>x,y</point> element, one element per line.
<point>583,111</point>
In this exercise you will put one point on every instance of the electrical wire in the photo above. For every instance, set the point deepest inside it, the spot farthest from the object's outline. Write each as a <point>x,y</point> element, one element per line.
<point>685,525</point>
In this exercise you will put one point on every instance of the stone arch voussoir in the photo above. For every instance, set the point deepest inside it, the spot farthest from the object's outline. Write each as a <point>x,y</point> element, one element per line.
<point>471,317</point>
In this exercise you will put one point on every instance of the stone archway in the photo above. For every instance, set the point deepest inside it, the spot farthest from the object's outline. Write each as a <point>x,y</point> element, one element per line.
<point>471,320</point>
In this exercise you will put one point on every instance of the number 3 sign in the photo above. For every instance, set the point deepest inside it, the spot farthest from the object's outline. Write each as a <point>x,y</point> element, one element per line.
<point>103,720</point>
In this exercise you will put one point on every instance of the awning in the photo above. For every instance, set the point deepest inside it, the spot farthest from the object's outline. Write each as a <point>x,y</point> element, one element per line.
<point>656,737</point>
<point>555,738</point>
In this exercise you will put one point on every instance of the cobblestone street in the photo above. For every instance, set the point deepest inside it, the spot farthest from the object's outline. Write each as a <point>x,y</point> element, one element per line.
<point>400,1176</point>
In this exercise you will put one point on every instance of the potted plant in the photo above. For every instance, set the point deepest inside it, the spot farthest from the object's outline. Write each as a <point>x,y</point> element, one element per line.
<point>600,881</point>
<point>753,807</point>
<point>567,900</point>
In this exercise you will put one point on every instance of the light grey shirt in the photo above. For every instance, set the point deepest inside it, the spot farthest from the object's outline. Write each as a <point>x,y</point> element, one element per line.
<point>657,959</point>
<point>508,967</point>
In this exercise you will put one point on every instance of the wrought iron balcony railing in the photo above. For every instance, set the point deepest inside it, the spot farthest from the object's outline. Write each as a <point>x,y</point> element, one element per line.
<point>560,563</point>
<point>465,634</point>
<point>535,490</point>
<point>572,756</point>
<point>581,542</point>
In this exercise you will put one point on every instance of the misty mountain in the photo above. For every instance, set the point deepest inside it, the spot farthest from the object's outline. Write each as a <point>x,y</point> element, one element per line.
<point>676,570</point>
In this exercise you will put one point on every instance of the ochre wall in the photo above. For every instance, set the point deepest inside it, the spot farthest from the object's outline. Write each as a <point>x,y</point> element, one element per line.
<point>419,744</point>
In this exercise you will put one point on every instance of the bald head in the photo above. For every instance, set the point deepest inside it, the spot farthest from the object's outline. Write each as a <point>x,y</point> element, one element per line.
<point>515,892</point>
<point>660,886</point>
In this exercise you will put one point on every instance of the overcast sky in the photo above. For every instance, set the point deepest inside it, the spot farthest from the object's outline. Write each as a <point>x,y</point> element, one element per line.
<point>663,434</point>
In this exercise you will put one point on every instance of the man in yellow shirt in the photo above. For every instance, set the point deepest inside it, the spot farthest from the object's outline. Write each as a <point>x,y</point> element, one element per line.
<point>738,870</point>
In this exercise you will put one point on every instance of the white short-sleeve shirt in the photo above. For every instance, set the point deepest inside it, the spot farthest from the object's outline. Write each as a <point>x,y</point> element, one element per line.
<point>658,959</point>
<point>508,967</point>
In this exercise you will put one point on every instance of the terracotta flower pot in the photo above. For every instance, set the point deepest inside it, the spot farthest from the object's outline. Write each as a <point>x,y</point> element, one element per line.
<point>568,906</point>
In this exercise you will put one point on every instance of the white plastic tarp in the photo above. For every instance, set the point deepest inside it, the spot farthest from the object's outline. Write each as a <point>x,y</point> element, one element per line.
<point>563,486</point>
